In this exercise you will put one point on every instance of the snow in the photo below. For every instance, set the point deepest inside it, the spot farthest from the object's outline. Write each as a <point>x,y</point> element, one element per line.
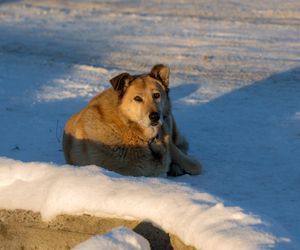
<point>235,90</point>
<point>200,219</point>
<point>118,239</point>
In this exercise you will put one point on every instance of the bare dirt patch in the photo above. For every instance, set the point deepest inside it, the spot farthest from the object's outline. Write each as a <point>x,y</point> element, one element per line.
<point>22,229</point>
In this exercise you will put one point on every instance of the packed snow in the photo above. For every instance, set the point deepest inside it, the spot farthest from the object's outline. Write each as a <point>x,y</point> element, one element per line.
<point>235,73</point>
<point>198,218</point>
<point>118,239</point>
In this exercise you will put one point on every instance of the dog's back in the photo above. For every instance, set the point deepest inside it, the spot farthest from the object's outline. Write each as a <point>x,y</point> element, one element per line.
<point>96,124</point>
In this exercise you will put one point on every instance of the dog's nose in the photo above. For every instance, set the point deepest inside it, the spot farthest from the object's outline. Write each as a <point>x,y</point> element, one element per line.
<point>154,116</point>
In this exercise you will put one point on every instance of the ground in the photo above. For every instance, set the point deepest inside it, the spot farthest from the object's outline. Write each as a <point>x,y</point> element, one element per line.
<point>235,73</point>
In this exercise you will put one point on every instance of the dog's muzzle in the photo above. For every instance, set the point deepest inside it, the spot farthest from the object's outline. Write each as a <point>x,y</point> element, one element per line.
<point>154,118</point>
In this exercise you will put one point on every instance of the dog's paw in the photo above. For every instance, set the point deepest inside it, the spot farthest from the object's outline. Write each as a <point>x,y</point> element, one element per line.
<point>195,168</point>
<point>157,148</point>
<point>175,170</point>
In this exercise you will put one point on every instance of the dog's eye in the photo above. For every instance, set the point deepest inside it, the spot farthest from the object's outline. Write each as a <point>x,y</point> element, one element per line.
<point>156,95</point>
<point>138,98</point>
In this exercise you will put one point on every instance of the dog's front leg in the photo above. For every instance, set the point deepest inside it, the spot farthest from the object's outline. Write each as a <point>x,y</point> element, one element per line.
<point>160,148</point>
<point>182,162</point>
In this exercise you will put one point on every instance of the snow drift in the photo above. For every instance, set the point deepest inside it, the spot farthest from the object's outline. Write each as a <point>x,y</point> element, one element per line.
<point>198,218</point>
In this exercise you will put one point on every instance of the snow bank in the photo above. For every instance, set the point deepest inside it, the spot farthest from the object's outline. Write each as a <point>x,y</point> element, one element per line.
<point>118,239</point>
<point>198,218</point>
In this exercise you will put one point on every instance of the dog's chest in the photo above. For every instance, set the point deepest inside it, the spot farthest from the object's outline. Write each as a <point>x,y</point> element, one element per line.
<point>130,147</point>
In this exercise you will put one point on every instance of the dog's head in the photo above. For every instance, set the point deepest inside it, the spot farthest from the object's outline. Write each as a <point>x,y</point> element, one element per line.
<point>144,98</point>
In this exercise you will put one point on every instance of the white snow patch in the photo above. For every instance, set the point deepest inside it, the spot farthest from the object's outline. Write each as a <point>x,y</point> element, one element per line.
<point>208,92</point>
<point>120,238</point>
<point>91,69</point>
<point>198,218</point>
<point>83,81</point>
<point>297,116</point>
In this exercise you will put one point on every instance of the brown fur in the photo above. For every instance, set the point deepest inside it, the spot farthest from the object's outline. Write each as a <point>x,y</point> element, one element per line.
<point>114,130</point>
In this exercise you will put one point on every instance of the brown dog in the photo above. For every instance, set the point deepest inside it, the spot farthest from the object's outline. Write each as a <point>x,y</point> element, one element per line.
<point>130,129</point>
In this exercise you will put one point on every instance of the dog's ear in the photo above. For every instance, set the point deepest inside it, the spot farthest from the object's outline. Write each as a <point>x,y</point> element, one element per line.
<point>121,82</point>
<point>161,72</point>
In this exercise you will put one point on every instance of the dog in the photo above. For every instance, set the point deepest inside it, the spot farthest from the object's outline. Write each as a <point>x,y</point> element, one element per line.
<point>129,128</point>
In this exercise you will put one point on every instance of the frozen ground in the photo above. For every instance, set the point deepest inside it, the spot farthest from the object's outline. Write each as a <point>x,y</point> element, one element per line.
<point>235,76</point>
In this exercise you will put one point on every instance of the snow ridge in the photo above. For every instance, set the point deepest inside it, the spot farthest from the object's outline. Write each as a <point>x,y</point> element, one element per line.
<point>198,218</point>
